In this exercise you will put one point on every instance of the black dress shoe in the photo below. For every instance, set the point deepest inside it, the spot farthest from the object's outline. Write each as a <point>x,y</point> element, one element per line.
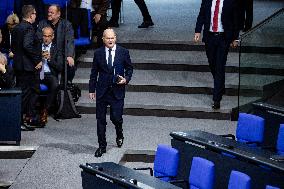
<point>146,24</point>
<point>26,128</point>
<point>216,105</point>
<point>119,142</point>
<point>99,152</point>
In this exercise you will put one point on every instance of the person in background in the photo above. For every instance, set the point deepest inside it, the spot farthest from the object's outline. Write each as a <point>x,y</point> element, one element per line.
<point>6,74</point>
<point>111,71</point>
<point>27,63</point>
<point>11,21</point>
<point>116,5</point>
<point>39,7</point>
<point>63,37</point>
<point>220,22</point>
<point>49,72</point>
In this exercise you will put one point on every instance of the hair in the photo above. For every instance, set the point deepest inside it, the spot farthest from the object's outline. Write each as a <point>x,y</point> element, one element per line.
<point>57,7</point>
<point>49,28</point>
<point>12,19</point>
<point>110,29</point>
<point>3,58</point>
<point>27,10</point>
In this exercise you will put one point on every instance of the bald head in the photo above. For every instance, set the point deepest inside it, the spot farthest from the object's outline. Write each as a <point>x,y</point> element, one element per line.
<point>109,38</point>
<point>48,35</point>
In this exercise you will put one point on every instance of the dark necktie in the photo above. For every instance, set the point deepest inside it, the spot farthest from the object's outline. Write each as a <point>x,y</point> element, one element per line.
<point>215,17</point>
<point>109,60</point>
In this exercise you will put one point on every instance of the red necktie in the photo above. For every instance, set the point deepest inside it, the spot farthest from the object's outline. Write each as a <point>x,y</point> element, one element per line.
<point>215,17</point>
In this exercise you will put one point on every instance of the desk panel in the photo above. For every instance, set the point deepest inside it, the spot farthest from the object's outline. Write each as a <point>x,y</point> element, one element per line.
<point>109,175</point>
<point>252,161</point>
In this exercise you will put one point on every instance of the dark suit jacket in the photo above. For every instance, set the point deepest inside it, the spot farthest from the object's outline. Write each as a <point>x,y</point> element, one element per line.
<point>101,77</point>
<point>26,47</point>
<point>229,19</point>
<point>64,30</point>
<point>54,63</point>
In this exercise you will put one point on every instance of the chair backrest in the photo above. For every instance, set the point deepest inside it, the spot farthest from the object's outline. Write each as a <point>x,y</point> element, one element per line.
<point>202,174</point>
<point>61,3</point>
<point>239,180</point>
<point>280,140</point>
<point>271,187</point>
<point>166,162</point>
<point>250,128</point>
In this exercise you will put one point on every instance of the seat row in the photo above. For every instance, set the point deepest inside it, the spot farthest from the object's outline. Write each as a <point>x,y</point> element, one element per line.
<point>201,175</point>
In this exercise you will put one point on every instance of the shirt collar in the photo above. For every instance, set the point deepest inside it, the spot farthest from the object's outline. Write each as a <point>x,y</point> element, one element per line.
<point>112,49</point>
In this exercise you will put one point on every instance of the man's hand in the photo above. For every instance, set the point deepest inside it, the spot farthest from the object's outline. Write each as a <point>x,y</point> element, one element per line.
<point>38,66</point>
<point>2,68</point>
<point>11,55</point>
<point>234,44</point>
<point>70,61</point>
<point>46,55</point>
<point>121,80</point>
<point>97,18</point>
<point>196,37</point>
<point>92,96</point>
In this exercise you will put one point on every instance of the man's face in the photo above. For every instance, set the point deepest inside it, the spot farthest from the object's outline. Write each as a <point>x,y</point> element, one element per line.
<point>109,38</point>
<point>33,16</point>
<point>48,36</point>
<point>53,14</point>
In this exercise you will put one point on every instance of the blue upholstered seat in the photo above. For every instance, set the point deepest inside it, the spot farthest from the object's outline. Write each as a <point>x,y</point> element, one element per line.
<point>271,187</point>
<point>250,128</point>
<point>83,41</point>
<point>43,88</point>
<point>280,140</point>
<point>165,163</point>
<point>239,180</point>
<point>202,174</point>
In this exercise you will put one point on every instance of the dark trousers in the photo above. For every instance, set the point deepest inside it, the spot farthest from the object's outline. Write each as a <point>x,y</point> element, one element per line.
<point>217,49</point>
<point>116,5</point>
<point>51,82</point>
<point>98,28</point>
<point>29,84</point>
<point>116,111</point>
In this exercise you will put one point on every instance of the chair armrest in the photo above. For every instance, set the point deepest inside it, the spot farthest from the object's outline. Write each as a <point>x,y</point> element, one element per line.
<point>164,176</point>
<point>145,168</point>
<point>178,181</point>
<point>229,136</point>
<point>253,142</point>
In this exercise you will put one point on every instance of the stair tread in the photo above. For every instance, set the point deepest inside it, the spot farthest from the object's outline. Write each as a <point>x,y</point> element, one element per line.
<point>186,78</point>
<point>170,101</point>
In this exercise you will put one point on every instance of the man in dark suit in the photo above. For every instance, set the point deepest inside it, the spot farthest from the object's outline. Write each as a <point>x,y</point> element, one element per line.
<point>111,71</point>
<point>27,61</point>
<point>221,28</point>
<point>63,37</point>
<point>116,5</point>
<point>50,70</point>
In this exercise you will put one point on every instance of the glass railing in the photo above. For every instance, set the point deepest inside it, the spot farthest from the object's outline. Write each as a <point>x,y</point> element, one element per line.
<point>261,77</point>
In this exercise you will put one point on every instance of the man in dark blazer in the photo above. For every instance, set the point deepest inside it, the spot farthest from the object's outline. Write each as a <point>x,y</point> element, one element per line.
<point>220,22</point>
<point>49,73</point>
<point>27,61</point>
<point>111,71</point>
<point>63,37</point>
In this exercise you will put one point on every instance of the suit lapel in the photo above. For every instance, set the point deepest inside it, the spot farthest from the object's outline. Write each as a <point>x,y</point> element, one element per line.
<point>117,53</point>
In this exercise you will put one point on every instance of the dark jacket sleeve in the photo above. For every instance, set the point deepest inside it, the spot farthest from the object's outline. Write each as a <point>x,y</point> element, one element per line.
<point>94,75</point>
<point>30,45</point>
<point>200,18</point>
<point>7,79</point>
<point>69,34</point>
<point>55,60</point>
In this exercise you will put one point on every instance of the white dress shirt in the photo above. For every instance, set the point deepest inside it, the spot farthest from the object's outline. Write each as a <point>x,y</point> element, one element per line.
<point>45,65</point>
<point>112,54</point>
